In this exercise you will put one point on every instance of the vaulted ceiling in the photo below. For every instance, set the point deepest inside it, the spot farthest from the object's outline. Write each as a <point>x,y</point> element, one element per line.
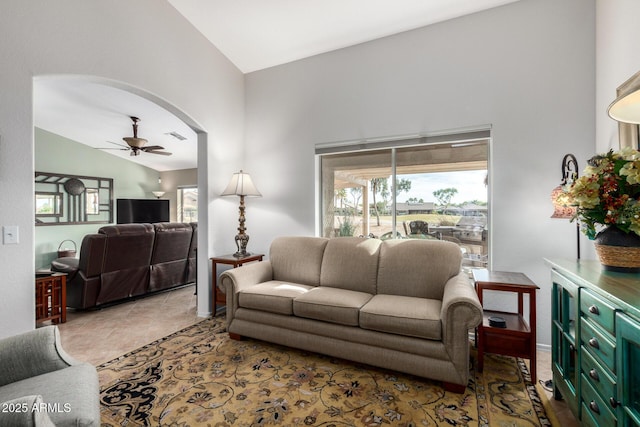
<point>253,34</point>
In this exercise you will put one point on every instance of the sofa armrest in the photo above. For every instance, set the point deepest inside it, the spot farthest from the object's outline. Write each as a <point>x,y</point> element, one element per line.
<point>234,280</point>
<point>32,353</point>
<point>461,311</point>
<point>248,275</point>
<point>25,412</point>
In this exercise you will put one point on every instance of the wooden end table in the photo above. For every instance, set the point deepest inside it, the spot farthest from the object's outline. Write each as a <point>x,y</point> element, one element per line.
<point>51,297</point>
<point>518,338</point>
<point>218,296</point>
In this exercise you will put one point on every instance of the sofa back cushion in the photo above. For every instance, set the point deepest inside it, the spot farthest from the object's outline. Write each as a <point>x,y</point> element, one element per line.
<point>127,257</point>
<point>193,249</point>
<point>297,259</point>
<point>92,254</point>
<point>170,254</point>
<point>417,267</point>
<point>171,242</point>
<point>351,263</point>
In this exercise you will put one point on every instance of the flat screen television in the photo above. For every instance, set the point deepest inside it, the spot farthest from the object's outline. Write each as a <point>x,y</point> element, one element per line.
<point>142,210</point>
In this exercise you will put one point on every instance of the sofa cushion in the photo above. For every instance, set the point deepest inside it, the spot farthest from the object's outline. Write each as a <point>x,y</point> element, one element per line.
<point>396,314</point>
<point>297,259</point>
<point>416,267</point>
<point>331,305</point>
<point>351,263</point>
<point>273,296</point>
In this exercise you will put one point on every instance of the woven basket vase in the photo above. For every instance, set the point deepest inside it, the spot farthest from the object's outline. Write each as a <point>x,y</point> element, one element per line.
<point>618,251</point>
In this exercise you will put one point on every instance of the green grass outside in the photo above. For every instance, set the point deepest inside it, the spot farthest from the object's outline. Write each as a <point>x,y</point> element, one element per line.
<point>432,219</point>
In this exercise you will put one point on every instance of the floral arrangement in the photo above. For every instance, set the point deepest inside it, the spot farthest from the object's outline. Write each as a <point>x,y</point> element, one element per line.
<point>608,192</point>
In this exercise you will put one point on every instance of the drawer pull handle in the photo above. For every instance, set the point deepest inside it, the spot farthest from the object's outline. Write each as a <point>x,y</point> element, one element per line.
<point>594,310</point>
<point>594,407</point>
<point>593,342</point>
<point>594,375</point>
<point>613,402</point>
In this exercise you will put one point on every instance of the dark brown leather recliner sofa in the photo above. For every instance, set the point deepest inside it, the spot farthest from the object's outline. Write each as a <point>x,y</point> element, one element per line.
<point>128,260</point>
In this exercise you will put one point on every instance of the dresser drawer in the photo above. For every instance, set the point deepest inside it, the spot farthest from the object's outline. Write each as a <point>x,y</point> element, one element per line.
<point>599,343</point>
<point>597,310</point>
<point>599,377</point>
<point>594,406</point>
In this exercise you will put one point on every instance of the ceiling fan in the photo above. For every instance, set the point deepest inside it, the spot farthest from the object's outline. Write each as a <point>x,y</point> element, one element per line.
<point>136,145</point>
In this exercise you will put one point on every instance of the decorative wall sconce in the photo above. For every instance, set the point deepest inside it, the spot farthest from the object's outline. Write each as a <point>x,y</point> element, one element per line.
<point>158,194</point>
<point>561,207</point>
<point>241,185</point>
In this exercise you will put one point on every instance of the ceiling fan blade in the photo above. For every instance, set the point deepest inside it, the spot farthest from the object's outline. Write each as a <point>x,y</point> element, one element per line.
<point>164,153</point>
<point>151,148</point>
<point>109,148</point>
<point>122,146</point>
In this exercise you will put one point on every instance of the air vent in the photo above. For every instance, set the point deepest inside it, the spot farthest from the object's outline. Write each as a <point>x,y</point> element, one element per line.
<point>176,135</point>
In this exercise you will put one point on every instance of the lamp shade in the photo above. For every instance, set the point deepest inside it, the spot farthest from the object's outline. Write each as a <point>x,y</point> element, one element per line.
<point>241,185</point>
<point>626,108</point>
<point>561,208</point>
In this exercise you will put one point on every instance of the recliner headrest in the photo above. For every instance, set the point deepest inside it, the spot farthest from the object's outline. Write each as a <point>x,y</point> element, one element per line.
<point>126,229</point>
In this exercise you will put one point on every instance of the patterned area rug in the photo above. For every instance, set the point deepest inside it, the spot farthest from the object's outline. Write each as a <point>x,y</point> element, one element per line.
<point>200,377</point>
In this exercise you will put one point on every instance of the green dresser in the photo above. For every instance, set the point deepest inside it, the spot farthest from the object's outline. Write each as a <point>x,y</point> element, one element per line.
<point>596,342</point>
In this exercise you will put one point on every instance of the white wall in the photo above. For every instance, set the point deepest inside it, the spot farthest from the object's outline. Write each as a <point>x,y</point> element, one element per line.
<point>617,38</point>
<point>145,44</point>
<point>527,69</point>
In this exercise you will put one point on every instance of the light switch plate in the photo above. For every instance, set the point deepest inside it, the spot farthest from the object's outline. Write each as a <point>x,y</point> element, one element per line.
<point>10,234</point>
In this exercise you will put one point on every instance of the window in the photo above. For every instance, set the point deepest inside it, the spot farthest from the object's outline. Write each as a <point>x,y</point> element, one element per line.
<point>188,204</point>
<point>427,188</point>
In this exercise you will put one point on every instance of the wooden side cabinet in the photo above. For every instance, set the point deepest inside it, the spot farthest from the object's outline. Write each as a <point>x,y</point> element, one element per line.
<point>628,361</point>
<point>596,342</point>
<point>218,297</point>
<point>564,348</point>
<point>51,297</point>
<point>517,337</point>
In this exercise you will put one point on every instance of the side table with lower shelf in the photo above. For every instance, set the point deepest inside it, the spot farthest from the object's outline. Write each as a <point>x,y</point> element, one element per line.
<point>218,297</point>
<point>51,297</point>
<point>518,338</point>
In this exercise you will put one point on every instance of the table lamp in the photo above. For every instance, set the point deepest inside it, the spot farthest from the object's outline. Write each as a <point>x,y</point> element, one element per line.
<point>241,185</point>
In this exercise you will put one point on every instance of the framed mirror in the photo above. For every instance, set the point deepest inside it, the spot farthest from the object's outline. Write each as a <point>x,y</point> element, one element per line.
<point>72,199</point>
<point>93,201</point>
<point>48,204</point>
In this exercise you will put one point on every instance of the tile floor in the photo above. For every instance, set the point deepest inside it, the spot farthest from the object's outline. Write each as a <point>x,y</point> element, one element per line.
<point>97,336</point>
<point>101,335</point>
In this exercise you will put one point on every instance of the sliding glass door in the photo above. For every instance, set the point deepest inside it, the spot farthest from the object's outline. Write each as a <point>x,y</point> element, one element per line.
<point>421,188</point>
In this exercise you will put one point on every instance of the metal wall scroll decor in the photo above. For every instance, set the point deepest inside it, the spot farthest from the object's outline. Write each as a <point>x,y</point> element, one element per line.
<point>72,199</point>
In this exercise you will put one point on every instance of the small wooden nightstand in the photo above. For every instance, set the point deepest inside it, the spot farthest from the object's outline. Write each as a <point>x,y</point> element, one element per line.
<point>218,297</point>
<point>518,338</point>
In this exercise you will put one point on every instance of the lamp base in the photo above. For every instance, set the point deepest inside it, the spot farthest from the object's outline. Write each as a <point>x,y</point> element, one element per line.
<point>242,239</point>
<point>242,254</point>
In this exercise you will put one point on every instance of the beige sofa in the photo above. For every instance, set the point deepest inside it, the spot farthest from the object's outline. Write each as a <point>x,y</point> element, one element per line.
<point>396,304</point>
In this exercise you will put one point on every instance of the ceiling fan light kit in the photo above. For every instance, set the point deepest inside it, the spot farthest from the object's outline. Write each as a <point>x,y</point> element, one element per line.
<point>135,141</point>
<point>136,145</point>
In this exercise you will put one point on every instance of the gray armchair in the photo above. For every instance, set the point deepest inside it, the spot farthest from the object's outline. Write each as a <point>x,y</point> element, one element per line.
<point>41,385</point>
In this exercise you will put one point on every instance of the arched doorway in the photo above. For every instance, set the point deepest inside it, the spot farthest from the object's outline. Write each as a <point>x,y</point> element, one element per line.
<point>96,112</point>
